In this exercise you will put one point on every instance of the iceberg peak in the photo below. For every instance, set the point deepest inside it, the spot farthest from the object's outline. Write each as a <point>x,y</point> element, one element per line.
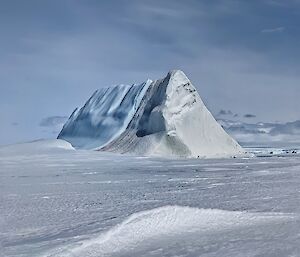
<point>179,74</point>
<point>176,72</point>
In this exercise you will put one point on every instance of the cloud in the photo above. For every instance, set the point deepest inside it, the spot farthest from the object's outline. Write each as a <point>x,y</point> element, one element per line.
<point>283,3</point>
<point>273,30</point>
<point>53,121</point>
<point>15,123</point>
<point>263,132</point>
<point>224,112</point>
<point>248,115</point>
<point>52,124</point>
<point>289,128</point>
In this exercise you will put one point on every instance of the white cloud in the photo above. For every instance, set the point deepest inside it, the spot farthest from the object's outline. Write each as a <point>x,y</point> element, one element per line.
<point>263,132</point>
<point>273,30</point>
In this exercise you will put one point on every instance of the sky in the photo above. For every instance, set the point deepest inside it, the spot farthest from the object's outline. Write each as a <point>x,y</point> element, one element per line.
<point>242,56</point>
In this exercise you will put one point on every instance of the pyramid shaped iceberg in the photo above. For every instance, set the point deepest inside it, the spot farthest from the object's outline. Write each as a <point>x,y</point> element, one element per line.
<point>165,117</point>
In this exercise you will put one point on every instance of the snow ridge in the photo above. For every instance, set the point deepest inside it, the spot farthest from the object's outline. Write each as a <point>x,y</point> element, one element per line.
<point>162,226</point>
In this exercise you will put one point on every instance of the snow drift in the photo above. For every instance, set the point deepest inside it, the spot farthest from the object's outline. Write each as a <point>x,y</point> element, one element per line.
<point>165,117</point>
<point>143,233</point>
<point>36,147</point>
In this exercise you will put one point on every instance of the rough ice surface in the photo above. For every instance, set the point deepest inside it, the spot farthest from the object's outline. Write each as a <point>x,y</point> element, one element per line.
<point>57,201</point>
<point>104,116</point>
<point>161,118</point>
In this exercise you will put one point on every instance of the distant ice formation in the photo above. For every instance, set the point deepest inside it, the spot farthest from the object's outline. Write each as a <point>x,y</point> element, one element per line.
<point>165,117</point>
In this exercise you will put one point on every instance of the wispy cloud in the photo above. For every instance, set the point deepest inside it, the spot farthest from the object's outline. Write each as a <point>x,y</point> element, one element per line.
<point>282,3</point>
<point>273,30</point>
<point>262,131</point>
<point>224,112</point>
<point>53,124</point>
<point>249,115</point>
<point>53,121</point>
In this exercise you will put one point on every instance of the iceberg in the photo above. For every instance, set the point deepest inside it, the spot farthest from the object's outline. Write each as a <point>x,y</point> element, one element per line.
<point>165,117</point>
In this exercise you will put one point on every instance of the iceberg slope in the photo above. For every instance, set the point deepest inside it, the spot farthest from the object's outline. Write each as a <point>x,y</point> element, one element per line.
<point>162,118</point>
<point>104,116</point>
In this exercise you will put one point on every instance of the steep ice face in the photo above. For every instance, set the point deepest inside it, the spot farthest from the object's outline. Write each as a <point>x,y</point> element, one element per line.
<point>104,116</point>
<point>188,119</point>
<point>167,119</point>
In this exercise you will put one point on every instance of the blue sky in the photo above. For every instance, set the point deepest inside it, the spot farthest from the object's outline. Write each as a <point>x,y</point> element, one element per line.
<point>242,56</point>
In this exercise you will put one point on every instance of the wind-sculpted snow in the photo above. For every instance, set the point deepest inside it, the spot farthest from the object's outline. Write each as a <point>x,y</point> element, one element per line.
<point>148,231</point>
<point>37,147</point>
<point>162,118</point>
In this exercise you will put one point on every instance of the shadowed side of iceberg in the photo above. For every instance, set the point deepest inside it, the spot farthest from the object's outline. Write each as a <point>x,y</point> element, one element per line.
<point>104,116</point>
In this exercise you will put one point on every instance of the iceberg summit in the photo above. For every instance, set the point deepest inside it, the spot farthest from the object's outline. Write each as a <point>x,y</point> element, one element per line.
<point>165,117</point>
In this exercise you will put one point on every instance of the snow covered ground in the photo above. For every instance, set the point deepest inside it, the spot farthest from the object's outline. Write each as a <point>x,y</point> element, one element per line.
<point>57,201</point>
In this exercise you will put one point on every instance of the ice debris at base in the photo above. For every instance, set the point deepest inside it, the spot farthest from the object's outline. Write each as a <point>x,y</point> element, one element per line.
<point>165,118</point>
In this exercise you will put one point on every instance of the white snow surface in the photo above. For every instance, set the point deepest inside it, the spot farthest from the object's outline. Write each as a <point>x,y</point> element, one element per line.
<point>161,118</point>
<point>57,201</point>
<point>37,147</point>
<point>163,226</point>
